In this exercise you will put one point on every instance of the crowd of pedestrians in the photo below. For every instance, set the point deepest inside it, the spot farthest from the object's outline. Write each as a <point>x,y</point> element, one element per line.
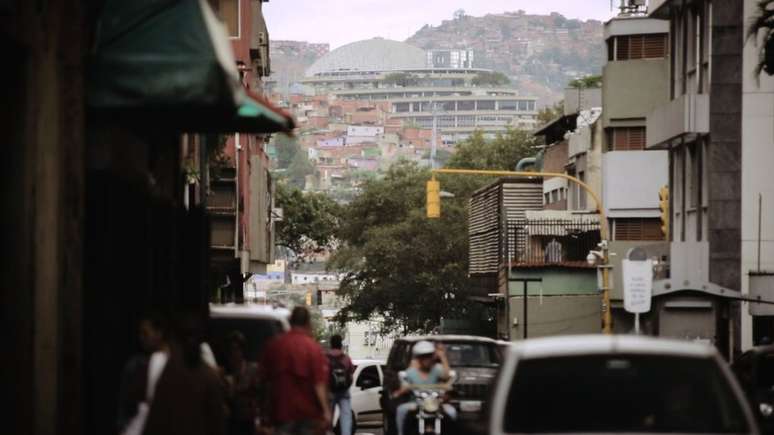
<point>175,386</point>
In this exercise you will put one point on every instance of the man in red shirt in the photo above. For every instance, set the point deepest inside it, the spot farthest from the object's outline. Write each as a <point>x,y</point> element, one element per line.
<point>296,372</point>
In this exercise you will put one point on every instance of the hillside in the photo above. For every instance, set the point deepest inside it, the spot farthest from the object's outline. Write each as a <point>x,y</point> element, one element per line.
<point>540,53</point>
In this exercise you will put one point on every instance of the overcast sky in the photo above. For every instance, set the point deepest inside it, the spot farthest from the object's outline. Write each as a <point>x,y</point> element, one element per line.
<point>339,22</point>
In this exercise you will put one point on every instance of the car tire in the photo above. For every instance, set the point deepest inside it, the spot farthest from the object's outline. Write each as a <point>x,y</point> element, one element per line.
<point>354,423</point>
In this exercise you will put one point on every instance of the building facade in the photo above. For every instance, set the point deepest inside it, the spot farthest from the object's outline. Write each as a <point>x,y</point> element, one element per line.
<point>633,85</point>
<point>700,126</point>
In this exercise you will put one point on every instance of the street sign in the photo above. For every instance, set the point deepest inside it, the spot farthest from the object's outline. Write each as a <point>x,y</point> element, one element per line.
<point>637,285</point>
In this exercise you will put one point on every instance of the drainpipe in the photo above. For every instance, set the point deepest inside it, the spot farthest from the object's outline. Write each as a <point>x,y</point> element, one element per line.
<point>526,161</point>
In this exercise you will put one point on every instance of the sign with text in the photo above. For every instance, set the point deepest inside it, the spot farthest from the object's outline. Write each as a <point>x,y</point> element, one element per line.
<point>637,285</point>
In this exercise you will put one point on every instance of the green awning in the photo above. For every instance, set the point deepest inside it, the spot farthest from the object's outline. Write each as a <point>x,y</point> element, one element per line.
<point>169,63</point>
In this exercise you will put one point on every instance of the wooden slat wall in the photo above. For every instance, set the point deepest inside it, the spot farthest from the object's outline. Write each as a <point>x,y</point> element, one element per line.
<point>653,46</point>
<point>638,229</point>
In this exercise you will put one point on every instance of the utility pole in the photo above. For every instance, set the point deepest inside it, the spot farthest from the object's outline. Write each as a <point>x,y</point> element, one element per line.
<point>433,146</point>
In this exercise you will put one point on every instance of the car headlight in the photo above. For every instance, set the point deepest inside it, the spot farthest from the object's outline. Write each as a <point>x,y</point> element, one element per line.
<point>431,405</point>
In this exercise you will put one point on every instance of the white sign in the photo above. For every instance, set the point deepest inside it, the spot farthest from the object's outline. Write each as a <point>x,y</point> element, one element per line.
<point>637,285</point>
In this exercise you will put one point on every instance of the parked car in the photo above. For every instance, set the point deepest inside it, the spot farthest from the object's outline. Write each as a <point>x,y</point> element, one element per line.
<point>754,370</point>
<point>474,360</point>
<point>617,384</point>
<point>258,323</point>
<point>365,391</point>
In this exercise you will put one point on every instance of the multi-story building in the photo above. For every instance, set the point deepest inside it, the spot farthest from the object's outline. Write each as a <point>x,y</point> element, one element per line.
<point>633,85</point>
<point>757,237</point>
<point>700,126</point>
<point>456,99</point>
<point>241,192</point>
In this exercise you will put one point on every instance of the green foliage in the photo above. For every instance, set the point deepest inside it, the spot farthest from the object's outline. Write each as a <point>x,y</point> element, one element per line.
<point>763,20</point>
<point>287,148</point>
<point>310,221</point>
<point>403,266</point>
<point>401,79</point>
<point>503,152</point>
<point>490,79</point>
<point>299,168</point>
<point>592,81</point>
<point>549,113</point>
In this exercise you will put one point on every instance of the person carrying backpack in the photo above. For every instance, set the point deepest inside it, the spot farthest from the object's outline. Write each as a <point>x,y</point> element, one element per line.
<point>341,370</point>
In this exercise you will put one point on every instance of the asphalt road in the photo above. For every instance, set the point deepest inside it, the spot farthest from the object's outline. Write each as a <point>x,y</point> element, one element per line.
<point>369,431</point>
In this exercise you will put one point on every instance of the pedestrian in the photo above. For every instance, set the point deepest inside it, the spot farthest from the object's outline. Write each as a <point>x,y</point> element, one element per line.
<point>341,371</point>
<point>296,373</point>
<point>134,377</point>
<point>188,397</point>
<point>242,387</point>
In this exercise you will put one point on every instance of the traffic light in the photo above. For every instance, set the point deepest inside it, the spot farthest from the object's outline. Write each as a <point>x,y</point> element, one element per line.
<point>433,199</point>
<point>663,205</point>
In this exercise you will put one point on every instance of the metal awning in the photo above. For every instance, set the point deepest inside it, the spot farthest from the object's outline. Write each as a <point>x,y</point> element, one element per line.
<point>169,64</point>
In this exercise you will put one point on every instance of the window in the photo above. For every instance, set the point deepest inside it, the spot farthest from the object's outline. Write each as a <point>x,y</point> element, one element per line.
<point>485,105</point>
<point>626,139</point>
<point>509,105</point>
<point>523,105</point>
<point>632,47</point>
<point>368,378</point>
<point>402,107</point>
<point>228,11</point>
<point>621,393</point>
<point>581,191</point>
<point>547,197</point>
<point>637,229</point>
<point>466,105</point>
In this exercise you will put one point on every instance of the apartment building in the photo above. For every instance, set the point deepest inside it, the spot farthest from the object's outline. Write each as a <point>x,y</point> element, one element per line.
<point>634,83</point>
<point>700,126</point>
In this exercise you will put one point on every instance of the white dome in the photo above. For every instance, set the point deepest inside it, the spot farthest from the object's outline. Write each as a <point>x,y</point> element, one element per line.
<point>370,55</point>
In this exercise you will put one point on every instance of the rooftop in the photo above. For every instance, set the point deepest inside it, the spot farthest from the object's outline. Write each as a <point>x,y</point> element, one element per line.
<point>370,55</point>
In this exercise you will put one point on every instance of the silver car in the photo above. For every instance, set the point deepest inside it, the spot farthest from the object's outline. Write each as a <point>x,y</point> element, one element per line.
<point>617,384</point>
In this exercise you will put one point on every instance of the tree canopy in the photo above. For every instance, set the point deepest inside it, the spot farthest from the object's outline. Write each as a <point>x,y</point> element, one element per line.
<point>485,78</point>
<point>549,113</point>
<point>592,81</point>
<point>310,221</point>
<point>411,270</point>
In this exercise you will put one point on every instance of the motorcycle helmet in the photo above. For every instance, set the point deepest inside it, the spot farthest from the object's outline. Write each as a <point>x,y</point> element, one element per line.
<point>423,347</point>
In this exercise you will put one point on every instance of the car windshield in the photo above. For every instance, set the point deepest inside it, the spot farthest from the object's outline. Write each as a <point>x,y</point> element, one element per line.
<point>256,332</point>
<point>471,354</point>
<point>621,394</point>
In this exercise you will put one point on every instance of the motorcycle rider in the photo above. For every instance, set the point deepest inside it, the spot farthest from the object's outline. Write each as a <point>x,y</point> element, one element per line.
<point>429,366</point>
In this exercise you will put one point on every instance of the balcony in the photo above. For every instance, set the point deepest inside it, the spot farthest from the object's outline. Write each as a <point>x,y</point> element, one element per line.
<point>686,115</point>
<point>546,242</point>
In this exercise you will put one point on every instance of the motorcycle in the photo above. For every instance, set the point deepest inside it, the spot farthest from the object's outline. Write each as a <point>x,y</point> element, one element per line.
<point>429,401</point>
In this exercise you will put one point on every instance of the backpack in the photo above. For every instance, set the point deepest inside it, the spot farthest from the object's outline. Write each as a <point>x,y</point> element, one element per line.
<point>340,374</point>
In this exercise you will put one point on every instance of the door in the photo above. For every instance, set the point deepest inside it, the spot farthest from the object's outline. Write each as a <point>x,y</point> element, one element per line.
<point>365,395</point>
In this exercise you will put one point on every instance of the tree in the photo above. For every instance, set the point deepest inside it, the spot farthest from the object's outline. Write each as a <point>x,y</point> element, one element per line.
<point>287,147</point>
<point>503,152</point>
<point>762,26</point>
<point>309,223</point>
<point>401,79</point>
<point>409,269</point>
<point>592,81</point>
<point>549,113</point>
<point>485,78</point>
<point>299,168</point>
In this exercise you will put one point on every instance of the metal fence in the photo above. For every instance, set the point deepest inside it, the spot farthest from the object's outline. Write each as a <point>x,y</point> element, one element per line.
<point>547,242</point>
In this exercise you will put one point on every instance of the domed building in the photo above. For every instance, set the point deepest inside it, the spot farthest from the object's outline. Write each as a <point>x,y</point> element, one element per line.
<point>376,54</point>
<point>420,92</point>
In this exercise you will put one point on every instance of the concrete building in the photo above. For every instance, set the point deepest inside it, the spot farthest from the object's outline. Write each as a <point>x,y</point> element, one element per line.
<point>700,125</point>
<point>382,70</point>
<point>633,85</point>
<point>757,193</point>
<point>241,203</point>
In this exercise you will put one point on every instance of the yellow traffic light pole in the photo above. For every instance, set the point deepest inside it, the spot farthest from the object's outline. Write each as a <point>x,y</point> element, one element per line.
<point>434,211</point>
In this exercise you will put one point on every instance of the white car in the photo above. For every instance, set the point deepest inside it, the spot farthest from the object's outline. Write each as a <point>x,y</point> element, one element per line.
<point>365,392</point>
<point>617,384</point>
